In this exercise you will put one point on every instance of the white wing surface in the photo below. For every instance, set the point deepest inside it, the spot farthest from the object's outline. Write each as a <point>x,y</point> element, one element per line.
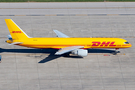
<point>67,49</point>
<point>16,43</point>
<point>60,34</point>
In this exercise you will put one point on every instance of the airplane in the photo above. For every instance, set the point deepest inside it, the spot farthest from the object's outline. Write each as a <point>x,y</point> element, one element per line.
<point>64,44</point>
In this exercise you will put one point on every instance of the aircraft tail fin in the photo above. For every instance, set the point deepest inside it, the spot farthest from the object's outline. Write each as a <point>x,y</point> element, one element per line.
<point>15,31</point>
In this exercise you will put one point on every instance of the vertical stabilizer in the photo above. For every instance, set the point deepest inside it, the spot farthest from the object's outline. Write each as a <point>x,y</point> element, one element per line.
<point>15,31</point>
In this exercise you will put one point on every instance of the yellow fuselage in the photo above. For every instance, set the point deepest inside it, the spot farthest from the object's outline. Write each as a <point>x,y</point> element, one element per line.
<point>58,43</point>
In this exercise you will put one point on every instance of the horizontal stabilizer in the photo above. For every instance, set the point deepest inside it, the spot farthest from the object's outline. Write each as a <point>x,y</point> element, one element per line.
<point>15,43</point>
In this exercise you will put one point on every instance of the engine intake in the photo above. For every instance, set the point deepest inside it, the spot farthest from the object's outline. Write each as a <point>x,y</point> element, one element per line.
<point>80,52</point>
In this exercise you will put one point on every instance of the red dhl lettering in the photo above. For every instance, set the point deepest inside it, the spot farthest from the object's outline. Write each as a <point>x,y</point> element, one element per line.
<point>16,32</point>
<point>103,44</point>
<point>112,44</point>
<point>95,43</point>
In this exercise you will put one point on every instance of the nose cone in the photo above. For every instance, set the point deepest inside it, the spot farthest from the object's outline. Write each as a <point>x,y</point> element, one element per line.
<point>130,45</point>
<point>127,45</point>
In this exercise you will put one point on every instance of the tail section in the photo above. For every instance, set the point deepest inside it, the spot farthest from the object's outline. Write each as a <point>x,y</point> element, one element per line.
<point>15,31</point>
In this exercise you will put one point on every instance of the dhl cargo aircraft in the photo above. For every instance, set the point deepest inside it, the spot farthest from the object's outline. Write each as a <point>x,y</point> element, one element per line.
<point>64,43</point>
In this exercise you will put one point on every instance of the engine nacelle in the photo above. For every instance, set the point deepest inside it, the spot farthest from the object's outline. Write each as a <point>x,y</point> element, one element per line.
<point>80,52</point>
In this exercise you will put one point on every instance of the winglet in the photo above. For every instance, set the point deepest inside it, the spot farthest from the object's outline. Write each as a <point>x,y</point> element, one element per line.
<point>60,34</point>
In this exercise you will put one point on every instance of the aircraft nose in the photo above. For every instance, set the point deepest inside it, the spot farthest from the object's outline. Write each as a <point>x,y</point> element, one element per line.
<point>130,45</point>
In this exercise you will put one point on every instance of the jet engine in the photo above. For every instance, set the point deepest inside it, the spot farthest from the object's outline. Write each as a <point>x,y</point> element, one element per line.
<point>80,52</point>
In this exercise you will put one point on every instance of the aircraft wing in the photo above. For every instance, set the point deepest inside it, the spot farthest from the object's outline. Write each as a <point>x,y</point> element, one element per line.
<point>67,49</point>
<point>60,34</point>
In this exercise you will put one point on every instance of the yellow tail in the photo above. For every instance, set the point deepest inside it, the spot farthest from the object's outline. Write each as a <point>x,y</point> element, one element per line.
<point>15,31</point>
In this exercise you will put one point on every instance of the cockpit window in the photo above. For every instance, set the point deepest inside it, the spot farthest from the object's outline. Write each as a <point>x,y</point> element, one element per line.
<point>126,42</point>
